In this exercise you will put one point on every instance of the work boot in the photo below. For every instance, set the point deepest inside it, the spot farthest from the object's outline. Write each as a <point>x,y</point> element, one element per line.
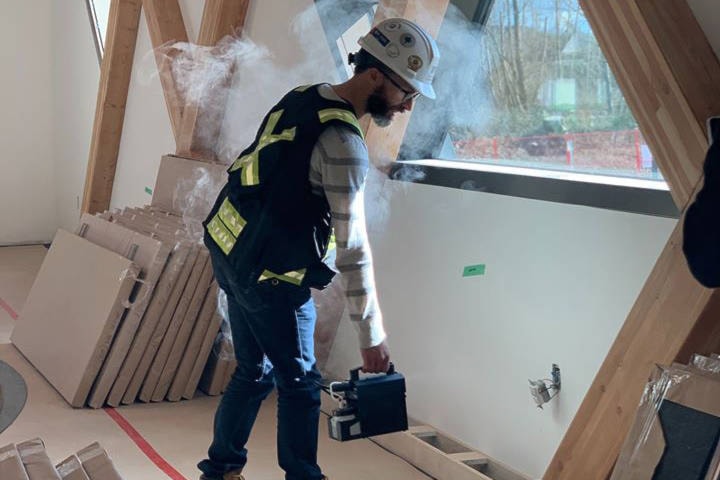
<point>234,475</point>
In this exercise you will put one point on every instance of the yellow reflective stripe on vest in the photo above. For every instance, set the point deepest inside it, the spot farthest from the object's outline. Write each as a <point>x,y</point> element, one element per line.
<point>222,236</point>
<point>302,88</point>
<point>226,226</point>
<point>231,218</point>
<point>342,115</point>
<point>295,277</point>
<point>332,245</point>
<point>250,174</point>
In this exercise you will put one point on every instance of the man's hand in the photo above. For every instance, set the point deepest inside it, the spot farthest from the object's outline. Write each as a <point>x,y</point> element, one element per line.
<point>376,359</point>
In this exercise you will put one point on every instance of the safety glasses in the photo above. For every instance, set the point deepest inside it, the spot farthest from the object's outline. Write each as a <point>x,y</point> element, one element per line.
<point>409,94</point>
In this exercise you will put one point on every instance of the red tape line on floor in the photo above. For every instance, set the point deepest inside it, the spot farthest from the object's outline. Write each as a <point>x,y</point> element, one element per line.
<point>8,309</point>
<point>144,446</point>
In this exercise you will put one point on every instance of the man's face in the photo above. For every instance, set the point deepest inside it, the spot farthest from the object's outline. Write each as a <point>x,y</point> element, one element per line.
<point>387,100</point>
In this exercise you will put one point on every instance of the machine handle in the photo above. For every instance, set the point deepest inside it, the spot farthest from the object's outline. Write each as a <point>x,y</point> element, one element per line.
<point>355,372</point>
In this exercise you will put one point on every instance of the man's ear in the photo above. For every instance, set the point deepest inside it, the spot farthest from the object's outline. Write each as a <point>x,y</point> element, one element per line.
<point>375,75</point>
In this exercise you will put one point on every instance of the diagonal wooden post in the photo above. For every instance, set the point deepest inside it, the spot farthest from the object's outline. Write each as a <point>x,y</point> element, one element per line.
<point>669,75</point>
<point>166,26</point>
<point>200,127</point>
<point>110,107</point>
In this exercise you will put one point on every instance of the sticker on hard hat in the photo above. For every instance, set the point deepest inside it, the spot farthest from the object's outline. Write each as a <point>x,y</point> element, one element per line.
<point>407,40</point>
<point>393,51</point>
<point>415,63</point>
<point>392,26</point>
<point>380,37</point>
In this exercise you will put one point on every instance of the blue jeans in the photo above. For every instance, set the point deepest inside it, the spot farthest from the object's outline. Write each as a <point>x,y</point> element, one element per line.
<point>272,326</point>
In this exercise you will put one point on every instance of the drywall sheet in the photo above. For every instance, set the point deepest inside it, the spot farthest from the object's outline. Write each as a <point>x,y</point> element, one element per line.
<point>163,351</point>
<point>72,312</point>
<point>140,375</point>
<point>177,179</point>
<point>11,467</point>
<point>97,463</point>
<point>151,256</point>
<point>179,346</point>
<point>222,358</point>
<point>36,461</point>
<point>193,350</point>
<point>203,357</point>
<point>160,300</point>
<point>71,469</point>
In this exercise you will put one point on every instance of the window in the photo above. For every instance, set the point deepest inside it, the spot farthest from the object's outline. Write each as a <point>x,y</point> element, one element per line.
<point>527,106</point>
<point>344,23</point>
<point>534,92</point>
<point>99,12</point>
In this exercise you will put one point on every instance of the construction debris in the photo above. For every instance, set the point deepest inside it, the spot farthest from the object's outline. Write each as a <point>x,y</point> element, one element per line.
<point>677,425</point>
<point>29,461</point>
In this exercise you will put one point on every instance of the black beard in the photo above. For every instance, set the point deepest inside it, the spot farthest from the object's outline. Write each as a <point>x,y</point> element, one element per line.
<point>379,109</point>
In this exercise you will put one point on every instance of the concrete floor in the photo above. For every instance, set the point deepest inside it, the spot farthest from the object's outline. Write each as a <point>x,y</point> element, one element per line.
<point>175,435</point>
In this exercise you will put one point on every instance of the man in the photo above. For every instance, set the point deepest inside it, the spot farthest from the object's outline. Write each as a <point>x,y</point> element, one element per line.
<point>701,234</point>
<point>269,233</point>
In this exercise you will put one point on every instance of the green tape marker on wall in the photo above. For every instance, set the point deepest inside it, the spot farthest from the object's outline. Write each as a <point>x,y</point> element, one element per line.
<point>473,270</point>
<point>148,190</point>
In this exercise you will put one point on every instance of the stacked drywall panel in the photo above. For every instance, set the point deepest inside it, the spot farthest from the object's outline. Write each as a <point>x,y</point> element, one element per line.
<point>72,312</point>
<point>177,330</point>
<point>130,301</point>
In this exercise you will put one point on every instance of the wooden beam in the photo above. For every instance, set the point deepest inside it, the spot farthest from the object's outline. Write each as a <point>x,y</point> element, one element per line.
<point>384,143</point>
<point>115,73</point>
<point>166,26</point>
<point>668,74</point>
<point>220,18</point>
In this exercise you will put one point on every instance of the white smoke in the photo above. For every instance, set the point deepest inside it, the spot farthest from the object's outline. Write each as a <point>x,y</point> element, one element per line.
<point>195,197</point>
<point>236,82</point>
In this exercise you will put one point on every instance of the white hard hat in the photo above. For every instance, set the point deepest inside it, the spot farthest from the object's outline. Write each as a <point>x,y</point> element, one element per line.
<point>406,49</point>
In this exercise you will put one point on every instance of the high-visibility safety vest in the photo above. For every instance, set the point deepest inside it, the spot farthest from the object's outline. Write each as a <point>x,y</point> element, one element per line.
<point>266,220</point>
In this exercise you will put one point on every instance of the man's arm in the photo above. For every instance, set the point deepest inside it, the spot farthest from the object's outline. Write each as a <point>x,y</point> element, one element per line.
<point>340,163</point>
<point>701,232</point>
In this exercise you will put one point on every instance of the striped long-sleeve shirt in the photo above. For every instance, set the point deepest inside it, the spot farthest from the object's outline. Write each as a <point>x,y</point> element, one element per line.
<point>338,169</point>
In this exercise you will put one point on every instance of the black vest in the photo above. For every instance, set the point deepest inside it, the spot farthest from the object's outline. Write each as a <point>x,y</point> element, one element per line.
<point>266,220</point>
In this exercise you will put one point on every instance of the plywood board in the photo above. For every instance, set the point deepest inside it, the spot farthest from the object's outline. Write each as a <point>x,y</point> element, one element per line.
<point>11,467</point>
<point>151,256</point>
<point>71,469</point>
<point>174,181</point>
<point>97,463</point>
<point>36,461</point>
<point>214,377</point>
<point>171,333</point>
<point>203,357</point>
<point>140,374</point>
<point>160,300</point>
<point>179,346</point>
<point>193,352</point>
<point>72,312</point>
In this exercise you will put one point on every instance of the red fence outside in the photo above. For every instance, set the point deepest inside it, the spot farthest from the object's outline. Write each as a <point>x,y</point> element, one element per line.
<point>622,152</point>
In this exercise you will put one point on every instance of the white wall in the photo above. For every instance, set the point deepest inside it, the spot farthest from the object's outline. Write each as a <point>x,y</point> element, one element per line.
<point>559,283</point>
<point>76,75</point>
<point>27,183</point>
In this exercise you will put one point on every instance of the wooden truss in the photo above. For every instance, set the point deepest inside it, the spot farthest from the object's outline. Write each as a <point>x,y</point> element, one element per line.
<point>669,75</point>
